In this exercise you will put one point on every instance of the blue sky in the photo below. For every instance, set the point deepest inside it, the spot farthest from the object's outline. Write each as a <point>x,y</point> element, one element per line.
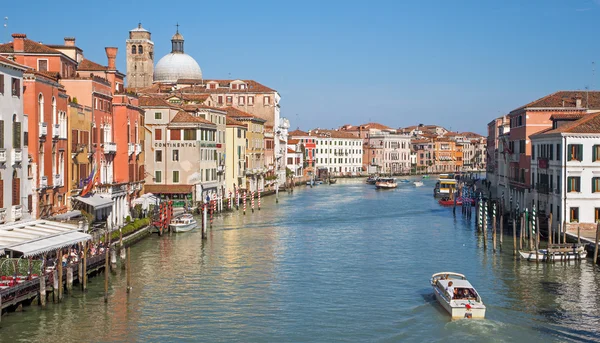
<point>454,63</point>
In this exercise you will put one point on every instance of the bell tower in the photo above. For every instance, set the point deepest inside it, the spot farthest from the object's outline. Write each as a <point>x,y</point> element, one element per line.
<point>140,58</point>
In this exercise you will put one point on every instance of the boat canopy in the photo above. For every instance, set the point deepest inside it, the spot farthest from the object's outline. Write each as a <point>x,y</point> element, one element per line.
<point>456,283</point>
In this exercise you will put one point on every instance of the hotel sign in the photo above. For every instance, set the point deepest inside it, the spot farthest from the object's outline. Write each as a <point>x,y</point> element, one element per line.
<point>543,163</point>
<point>175,145</point>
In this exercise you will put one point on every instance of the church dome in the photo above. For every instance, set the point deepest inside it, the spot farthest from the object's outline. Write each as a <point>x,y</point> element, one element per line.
<point>175,66</point>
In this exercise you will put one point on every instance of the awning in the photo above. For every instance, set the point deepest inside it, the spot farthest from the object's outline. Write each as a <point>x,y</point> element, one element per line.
<point>38,236</point>
<point>50,244</point>
<point>168,189</point>
<point>96,201</point>
<point>68,215</point>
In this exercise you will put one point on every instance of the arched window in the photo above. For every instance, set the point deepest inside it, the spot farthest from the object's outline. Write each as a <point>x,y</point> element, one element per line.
<point>41,107</point>
<point>54,115</point>
<point>140,49</point>
<point>133,49</point>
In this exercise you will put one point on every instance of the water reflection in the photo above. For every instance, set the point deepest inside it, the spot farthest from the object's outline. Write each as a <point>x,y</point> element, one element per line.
<point>331,263</point>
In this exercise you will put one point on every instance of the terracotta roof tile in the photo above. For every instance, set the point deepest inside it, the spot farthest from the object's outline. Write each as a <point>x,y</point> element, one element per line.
<point>566,99</point>
<point>293,141</point>
<point>375,126</point>
<point>298,133</point>
<point>184,117</point>
<point>237,114</point>
<point>332,134</point>
<point>5,60</point>
<point>233,122</point>
<point>588,124</point>
<point>291,151</point>
<point>87,65</point>
<point>151,101</point>
<point>567,116</point>
<point>29,46</point>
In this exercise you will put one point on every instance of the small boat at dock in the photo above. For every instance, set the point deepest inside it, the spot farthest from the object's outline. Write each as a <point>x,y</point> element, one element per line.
<point>332,181</point>
<point>425,176</point>
<point>404,181</point>
<point>457,296</point>
<point>386,183</point>
<point>556,252</point>
<point>183,223</point>
<point>449,202</point>
<point>418,183</point>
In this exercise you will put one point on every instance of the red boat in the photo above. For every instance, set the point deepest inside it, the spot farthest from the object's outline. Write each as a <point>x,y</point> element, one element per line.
<point>449,202</point>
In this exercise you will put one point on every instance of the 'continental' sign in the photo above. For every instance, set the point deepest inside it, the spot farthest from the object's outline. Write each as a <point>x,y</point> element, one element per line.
<point>175,145</point>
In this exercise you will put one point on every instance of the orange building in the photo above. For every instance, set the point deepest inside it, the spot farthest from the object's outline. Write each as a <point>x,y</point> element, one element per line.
<point>45,101</point>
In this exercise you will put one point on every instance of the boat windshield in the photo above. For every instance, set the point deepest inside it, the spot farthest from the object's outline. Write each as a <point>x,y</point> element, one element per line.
<point>465,294</point>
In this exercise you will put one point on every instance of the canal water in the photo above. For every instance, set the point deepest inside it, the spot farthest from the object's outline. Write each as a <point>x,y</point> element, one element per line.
<point>342,263</point>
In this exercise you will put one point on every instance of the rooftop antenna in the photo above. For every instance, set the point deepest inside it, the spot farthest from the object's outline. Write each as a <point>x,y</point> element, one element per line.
<point>6,29</point>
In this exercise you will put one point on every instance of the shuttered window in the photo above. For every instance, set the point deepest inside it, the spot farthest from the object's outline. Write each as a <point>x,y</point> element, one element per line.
<point>596,153</point>
<point>157,134</point>
<point>595,184</point>
<point>16,191</point>
<point>132,172</point>
<point>17,135</point>
<point>74,140</point>
<point>101,135</point>
<point>575,152</point>
<point>175,135</point>
<point>1,134</point>
<point>573,184</point>
<point>1,84</point>
<point>574,214</point>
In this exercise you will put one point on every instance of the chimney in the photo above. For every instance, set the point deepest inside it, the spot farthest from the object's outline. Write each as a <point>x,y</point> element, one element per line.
<point>69,41</point>
<point>578,101</point>
<point>19,42</point>
<point>111,54</point>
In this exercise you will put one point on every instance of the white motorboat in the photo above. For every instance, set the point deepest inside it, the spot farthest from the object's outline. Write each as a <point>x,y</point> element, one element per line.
<point>386,183</point>
<point>418,183</point>
<point>562,252</point>
<point>183,223</point>
<point>464,302</point>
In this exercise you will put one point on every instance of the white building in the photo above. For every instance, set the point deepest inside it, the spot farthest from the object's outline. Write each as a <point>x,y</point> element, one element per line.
<point>392,151</point>
<point>14,184</point>
<point>565,170</point>
<point>337,151</point>
<point>295,158</point>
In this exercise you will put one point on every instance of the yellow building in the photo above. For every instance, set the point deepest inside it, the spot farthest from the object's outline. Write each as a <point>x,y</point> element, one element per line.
<point>78,139</point>
<point>255,148</point>
<point>235,155</point>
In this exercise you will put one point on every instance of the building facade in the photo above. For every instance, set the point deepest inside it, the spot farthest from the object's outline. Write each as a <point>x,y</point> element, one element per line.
<point>337,151</point>
<point>14,174</point>
<point>235,155</point>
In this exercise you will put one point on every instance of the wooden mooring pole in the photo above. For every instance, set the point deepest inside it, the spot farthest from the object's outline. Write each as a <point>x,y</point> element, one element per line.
<point>550,230</point>
<point>564,231</point>
<point>106,268</point>
<point>84,273</point>
<point>501,233</point>
<point>578,235</point>
<point>485,217</point>
<point>521,232</point>
<point>596,243</point>
<point>537,239</point>
<point>60,276</point>
<point>42,298</point>
<point>128,269</point>
<point>514,228</point>
<point>494,228</point>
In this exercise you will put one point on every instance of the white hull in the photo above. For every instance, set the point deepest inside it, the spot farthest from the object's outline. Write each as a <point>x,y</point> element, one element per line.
<point>183,228</point>
<point>469,305</point>
<point>458,310</point>
<point>418,183</point>
<point>386,186</point>
<point>542,256</point>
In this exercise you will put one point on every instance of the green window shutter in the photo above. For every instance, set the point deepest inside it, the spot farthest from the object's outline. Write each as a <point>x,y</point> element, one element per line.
<point>593,153</point>
<point>593,185</point>
<point>17,135</point>
<point>580,152</point>
<point>569,152</point>
<point>569,180</point>
<point>578,184</point>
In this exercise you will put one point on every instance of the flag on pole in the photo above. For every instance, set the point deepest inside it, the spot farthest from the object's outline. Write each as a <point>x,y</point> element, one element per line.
<point>93,179</point>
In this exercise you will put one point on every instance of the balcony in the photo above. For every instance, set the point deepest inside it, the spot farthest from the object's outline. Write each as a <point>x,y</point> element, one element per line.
<point>2,155</point>
<point>2,215</point>
<point>543,188</point>
<point>43,129</point>
<point>17,156</point>
<point>43,182</point>
<point>57,180</point>
<point>220,168</point>
<point>17,212</point>
<point>55,131</point>
<point>130,149</point>
<point>110,148</point>
<point>138,149</point>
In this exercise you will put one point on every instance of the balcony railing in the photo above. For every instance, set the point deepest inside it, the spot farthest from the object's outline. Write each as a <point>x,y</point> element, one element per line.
<point>43,181</point>
<point>543,188</point>
<point>2,155</point>
<point>2,215</point>
<point>43,129</point>
<point>17,212</point>
<point>138,149</point>
<point>17,156</point>
<point>110,148</point>
<point>57,180</point>
<point>130,149</point>
<point>55,130</point>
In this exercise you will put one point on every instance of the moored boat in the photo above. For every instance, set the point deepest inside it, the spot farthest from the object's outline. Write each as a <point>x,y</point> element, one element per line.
<point>457,296</point>
<point>404,181</point>
<point>426,176</point>
<point>386,183</point>
<point>183,223</point>
<point>332,181</point>
<point>556,252</point>
<point>449,202</point>
<point>418,183</point>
